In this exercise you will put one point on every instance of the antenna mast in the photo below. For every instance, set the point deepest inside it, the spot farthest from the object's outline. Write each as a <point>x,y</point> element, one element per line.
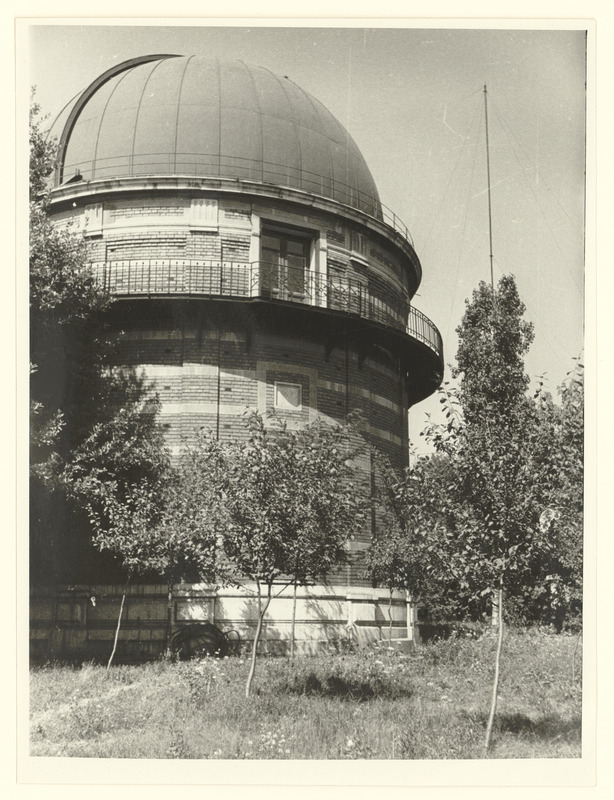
<point>492,276</point>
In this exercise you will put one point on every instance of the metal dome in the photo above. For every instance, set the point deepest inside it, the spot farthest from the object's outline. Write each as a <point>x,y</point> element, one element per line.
<point>175,115</point>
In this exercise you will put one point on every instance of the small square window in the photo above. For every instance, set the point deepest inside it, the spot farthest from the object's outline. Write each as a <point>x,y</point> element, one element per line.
<point>288,396</point>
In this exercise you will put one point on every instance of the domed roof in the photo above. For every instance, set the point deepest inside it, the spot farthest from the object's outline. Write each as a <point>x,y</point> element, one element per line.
<point>176,115</point>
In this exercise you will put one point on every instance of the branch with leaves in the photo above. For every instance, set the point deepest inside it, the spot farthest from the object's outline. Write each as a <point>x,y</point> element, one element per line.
<point>283,503</point>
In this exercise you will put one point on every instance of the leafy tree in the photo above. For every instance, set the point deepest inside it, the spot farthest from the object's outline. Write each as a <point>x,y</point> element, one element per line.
<point>123,448</point>
<point>156,524</point>
<point>283,504</point>
<point>43,152</point>
<point>472,516</point>
<point>497,499</point>
<point>567,496</point>
<point>493,340</point>
<point>415,536</point>
<point>562,471</point>
<point>393,558</point>
<point>503,455</point>
<point>65,307</point>
<point>79,403</point>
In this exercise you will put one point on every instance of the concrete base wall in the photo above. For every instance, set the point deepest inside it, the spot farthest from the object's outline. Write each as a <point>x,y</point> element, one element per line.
<point>80,622</point>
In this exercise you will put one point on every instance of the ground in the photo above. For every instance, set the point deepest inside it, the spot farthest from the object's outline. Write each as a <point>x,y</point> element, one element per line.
<point>372,704</point>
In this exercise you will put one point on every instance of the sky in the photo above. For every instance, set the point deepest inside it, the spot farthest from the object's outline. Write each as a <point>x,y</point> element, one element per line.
<point>413,100</point>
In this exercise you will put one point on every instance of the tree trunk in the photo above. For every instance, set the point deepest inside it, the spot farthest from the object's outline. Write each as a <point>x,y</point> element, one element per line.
<point>495,686</point>
<point>261,612</point>
<point>169,621</point>
<point>293,630</point>
<point>390,618</point>
<point>119,622</point>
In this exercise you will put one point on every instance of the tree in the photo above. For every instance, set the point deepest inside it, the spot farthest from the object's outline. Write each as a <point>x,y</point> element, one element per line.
<point>567,492</point>
<point>66,308</point>
<point>493,340</point>
<point>393,558</point>
<point>80,405</point>
<point>43,152</point>
<point>415,535</point>
<point>498,501</point>
<point>473,510</point>
<point>562,470</point>
<point>547,587</point>
<point>283,504</point>
<point>159,524</point>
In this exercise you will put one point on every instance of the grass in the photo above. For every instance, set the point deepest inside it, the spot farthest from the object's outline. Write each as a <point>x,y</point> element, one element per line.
<point>430,703</point>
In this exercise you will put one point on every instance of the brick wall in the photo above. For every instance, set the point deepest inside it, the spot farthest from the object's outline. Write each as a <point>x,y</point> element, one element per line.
<point>147,244</point>
<point>235,247</point>
<point>208,373</point>
<point>208,377</point>
<point>204,244</point>
<point>352,253</point>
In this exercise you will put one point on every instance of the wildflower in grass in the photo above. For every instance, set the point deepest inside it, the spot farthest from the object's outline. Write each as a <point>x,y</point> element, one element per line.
<point>356,748</point>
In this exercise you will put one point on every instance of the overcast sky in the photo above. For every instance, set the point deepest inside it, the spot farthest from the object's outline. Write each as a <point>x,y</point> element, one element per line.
<point>413,100</point>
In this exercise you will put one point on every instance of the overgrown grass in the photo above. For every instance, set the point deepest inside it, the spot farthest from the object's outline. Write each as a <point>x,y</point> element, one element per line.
<point>431,703</point>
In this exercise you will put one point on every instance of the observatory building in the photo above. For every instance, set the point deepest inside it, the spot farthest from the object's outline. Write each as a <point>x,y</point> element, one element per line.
<point>254,266</point>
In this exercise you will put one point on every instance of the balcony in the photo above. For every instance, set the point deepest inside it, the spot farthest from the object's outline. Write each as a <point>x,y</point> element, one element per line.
<point>264,281</point>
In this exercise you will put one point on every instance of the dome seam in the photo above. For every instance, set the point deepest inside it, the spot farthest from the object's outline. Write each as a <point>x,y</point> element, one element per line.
<point>260,115</point>
<point>296,130</point>
<point>330,155</point>
<point>179,93</point>
<point>121,77</point>
<point>138,110</point>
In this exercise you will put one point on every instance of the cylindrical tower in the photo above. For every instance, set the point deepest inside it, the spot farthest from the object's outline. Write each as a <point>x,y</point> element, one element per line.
<point>238,225</point>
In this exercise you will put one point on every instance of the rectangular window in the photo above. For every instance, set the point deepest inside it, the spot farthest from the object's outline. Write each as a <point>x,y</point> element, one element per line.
<point>288,396</point>
<point>284,263</point>
<point>359,243</point>
<point>92,221</point>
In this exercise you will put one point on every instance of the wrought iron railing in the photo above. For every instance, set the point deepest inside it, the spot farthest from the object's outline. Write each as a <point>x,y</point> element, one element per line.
<point>237,168</point>
<point>261,280</point>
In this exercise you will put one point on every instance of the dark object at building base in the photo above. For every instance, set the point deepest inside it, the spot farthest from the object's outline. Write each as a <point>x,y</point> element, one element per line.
<point>203,639</point>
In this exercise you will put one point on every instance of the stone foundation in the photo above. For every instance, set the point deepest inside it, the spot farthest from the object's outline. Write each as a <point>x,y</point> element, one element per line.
<point>79,623</point>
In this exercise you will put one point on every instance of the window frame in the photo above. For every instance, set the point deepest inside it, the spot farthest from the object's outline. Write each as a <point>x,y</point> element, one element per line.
<point>280,286</point>
<point>285,409</point>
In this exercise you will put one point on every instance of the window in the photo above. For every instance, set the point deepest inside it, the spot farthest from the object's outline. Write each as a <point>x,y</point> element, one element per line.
<point>284,262</point>
<point>92,220</point>
<point>288,396</point>
<point>359,244</point>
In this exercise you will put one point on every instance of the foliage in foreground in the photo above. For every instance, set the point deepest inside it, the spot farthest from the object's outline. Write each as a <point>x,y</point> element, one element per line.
<point>499,503</point>
<point>279,507</point>
<point>283,505</point>
<point>475,522</point>
<point>91,425</point>
<point>367,705</point>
